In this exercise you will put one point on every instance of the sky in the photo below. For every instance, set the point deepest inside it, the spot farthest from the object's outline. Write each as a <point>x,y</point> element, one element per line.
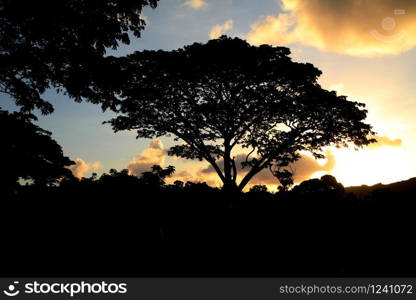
<point>365,49</point>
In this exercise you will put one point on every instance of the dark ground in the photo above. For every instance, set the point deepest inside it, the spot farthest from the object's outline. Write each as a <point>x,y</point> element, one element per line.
<point>122,228</point>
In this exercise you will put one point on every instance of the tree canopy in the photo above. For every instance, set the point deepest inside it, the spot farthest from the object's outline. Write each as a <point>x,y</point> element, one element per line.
<point>227,96</point>
<point>29,153</point>
<point>62,44</point>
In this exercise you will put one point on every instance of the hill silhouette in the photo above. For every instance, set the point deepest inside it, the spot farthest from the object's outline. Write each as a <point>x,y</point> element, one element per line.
<point>403,187</point>
<point>123,225</point>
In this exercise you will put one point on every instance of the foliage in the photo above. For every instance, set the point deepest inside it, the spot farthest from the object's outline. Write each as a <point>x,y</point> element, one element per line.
<point>29,152</point>
<point>156,177</point>
<point>226,95</point>
<point>285,178</point>
<point>325,184</point>
<point>258,189</point>
<point>61,44</point>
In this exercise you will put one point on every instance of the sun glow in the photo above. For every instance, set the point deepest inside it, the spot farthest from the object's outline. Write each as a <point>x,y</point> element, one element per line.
<point>371,166</point>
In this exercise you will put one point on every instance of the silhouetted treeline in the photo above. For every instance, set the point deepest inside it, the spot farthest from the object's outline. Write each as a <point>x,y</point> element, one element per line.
<point>125,225</point>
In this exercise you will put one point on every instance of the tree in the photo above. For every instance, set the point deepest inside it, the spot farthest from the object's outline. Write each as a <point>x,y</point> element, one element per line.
<point>62,44</point>
<point>156,177</point>
<point>227,96</point>
<point>285,178</point>
<point>326,183</point>
<point>29,153</point>
<point>258,188</point>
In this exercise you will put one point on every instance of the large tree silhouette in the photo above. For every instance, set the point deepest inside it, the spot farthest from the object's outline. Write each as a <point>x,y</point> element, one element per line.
<point>28,152</point>
<point>226,96</point>
<point>61,44</point>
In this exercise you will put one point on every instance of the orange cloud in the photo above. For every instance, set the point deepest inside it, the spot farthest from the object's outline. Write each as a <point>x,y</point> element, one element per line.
<point>219,30</point>
<point>303,169</point>
<point>384,141</point>
<point>196,4</point>
<point>182,176</point>
<point>81,167</point>
<point>353,27</point>
<point>185,176</point>
<point>154,154</point>
<point>96,165</point>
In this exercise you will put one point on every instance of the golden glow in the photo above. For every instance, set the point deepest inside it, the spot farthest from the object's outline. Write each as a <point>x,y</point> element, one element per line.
<point>353,27</point>
<point>371,166</point>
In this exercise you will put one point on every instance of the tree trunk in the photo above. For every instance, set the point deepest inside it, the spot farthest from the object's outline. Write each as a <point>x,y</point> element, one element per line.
<point>229,178</point>
<point>227,164</point>
<point>230,187</point>
<point>248,177</point>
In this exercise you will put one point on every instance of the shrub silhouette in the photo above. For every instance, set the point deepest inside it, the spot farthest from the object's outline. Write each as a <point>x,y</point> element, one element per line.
<point>324,184</point>
<point>258,189</point>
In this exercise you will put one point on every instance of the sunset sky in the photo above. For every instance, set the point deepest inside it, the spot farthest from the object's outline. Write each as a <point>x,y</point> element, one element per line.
<point>365,48</point>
